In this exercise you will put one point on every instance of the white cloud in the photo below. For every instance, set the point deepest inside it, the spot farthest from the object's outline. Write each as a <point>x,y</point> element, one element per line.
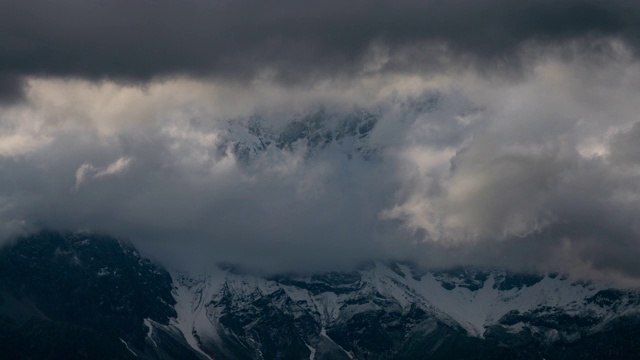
<point>114,168</point>
<point>19,144</point>
<point>87,171</point>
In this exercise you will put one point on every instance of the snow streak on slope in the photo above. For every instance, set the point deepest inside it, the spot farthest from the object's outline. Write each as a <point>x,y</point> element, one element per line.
<point>191,295</point>
<point>150,325</point>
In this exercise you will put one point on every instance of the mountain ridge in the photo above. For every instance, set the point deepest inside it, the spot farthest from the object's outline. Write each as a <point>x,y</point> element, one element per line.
<point>107,301</point>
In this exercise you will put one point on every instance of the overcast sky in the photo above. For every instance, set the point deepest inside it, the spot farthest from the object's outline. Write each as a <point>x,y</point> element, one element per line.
<point>113,114</point>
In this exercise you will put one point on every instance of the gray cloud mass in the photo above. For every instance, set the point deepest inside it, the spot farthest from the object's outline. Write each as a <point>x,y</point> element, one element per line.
<point>289,135</point>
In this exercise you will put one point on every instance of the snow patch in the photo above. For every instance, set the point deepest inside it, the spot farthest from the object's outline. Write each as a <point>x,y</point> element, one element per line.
<point>312,355</point>
<point>128,348</point>
<point>190,298</point>
<point>149,325</point>
<point>323,332</point>
<point>103,272</point>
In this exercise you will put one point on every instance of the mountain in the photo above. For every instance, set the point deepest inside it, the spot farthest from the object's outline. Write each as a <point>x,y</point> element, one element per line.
<point>348,133</point>
<point>87,296</point>
<point>394,311</point>
<point>84,296</point>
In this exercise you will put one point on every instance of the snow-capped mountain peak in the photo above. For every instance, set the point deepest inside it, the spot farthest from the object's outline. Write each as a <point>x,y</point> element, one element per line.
<point>346,133</point>
<point>327,313</point>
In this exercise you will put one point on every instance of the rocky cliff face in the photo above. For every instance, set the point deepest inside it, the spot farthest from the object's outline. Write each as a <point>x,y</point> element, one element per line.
<point>85,296</point>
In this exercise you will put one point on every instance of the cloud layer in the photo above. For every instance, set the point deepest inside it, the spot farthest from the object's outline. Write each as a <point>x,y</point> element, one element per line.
<point>505,134</point>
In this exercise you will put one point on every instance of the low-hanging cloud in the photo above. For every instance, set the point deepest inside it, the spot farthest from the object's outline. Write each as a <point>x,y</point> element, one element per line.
<point>293,136</point>
<point>538,174</point>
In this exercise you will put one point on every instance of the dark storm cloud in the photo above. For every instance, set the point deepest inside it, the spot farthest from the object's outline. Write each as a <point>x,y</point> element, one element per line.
<point>293,41</point>
<point>11,88</point>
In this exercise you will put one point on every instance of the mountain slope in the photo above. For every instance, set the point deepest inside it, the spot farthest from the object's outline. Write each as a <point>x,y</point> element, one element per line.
<point>85,296</point>
<point>395,311</point>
